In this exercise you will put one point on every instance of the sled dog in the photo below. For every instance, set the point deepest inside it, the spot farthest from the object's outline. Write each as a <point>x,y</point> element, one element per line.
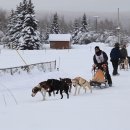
<point>124,64</point>
<point>41,87</point>
<point>82,83</point>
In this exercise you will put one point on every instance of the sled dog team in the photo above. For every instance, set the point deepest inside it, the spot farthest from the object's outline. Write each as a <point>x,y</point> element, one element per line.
<point>62,85</point>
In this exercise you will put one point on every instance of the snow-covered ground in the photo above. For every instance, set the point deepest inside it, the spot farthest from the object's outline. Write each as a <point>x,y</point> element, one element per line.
<point>104,109</point>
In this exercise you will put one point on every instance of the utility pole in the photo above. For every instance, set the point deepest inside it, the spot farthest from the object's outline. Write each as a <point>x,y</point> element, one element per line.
<point>118,28</point>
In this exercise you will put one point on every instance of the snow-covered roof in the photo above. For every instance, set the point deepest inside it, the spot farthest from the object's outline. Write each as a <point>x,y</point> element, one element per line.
<point>59,37</point>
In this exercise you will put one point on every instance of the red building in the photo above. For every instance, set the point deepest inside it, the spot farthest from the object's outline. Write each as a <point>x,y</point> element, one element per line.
<point>60,41</point>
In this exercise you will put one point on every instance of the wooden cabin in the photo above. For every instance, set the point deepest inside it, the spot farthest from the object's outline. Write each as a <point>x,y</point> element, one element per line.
<point>60,41</point>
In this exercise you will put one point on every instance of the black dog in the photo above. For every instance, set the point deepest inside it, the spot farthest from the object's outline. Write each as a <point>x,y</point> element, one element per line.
<point>68,82</point>
<point>57,85</point>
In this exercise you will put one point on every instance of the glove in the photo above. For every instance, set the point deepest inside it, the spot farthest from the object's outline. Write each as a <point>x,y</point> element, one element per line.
<point>94,67</point>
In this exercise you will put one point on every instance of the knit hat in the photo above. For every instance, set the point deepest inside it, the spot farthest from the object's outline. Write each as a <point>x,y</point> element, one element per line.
<point>97,47</point>
<point>124,46</point>
<point>117,44</point>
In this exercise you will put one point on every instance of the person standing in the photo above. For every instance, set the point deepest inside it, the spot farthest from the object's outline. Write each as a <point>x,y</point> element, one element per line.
<point>115,55</point>
<point>123,52</point>
<point>100,59</point>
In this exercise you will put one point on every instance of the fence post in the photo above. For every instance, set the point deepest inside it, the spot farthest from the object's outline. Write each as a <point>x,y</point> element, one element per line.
<point>11,71</point>
<point>55,65</point>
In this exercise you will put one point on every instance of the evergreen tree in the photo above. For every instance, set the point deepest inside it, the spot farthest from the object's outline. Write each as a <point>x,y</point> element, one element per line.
<point>22,28</point>
<point>30,8</point>
<point>30,38</point>
<point>21,11</point>
<point>84,23</point>
<point>63,25</point>
<point>75,33</point>
<point>10,28</point>
<point>55,26</point>
<point>15,25</point>
<point>80,34</point>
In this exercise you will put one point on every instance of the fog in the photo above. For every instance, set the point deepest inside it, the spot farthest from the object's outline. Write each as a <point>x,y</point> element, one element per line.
<point>70,16</point>
<point>72,5</point>
<point>72,9</point>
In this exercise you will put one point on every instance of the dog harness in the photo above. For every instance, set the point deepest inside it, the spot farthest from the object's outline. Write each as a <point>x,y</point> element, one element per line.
<point>82,83</point>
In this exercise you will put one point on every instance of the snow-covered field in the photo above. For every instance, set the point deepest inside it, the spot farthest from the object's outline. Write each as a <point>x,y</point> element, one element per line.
<point>104,109</point>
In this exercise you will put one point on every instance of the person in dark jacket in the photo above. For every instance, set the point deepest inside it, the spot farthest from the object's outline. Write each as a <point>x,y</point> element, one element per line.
<point>100,58</point>
<point>123,52</point>
<point>115,56</point>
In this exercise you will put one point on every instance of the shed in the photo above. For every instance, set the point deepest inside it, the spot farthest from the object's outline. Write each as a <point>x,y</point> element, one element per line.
<point>60,41</point>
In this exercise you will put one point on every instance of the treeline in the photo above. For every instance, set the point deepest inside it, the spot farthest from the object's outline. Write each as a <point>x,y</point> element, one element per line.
<point>21,30</point>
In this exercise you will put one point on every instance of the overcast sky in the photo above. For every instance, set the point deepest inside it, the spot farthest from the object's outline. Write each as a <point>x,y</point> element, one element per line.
<point>72,5</point>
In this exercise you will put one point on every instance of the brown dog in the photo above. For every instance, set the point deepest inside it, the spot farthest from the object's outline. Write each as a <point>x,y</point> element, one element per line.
<point>41,87</point>
<point>124,64</point>
<point>81,82</point>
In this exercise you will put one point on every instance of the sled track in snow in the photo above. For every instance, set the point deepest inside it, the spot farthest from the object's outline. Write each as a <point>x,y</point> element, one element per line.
<point>7,96</point>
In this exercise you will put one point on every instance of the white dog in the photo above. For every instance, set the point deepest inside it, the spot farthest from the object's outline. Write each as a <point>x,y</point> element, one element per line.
<point>81,82</point>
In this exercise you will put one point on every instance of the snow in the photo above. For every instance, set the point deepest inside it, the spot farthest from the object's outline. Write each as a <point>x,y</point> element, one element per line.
<point>59,37</point>
<point>12,57</point>
<point>104,109</point>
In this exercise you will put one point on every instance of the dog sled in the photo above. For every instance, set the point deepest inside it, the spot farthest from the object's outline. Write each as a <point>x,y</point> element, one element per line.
<point>99,79</point>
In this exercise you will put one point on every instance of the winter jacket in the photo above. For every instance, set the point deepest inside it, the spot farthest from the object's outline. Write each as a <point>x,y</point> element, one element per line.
<point>115,54</point>
<point>124,53</point>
